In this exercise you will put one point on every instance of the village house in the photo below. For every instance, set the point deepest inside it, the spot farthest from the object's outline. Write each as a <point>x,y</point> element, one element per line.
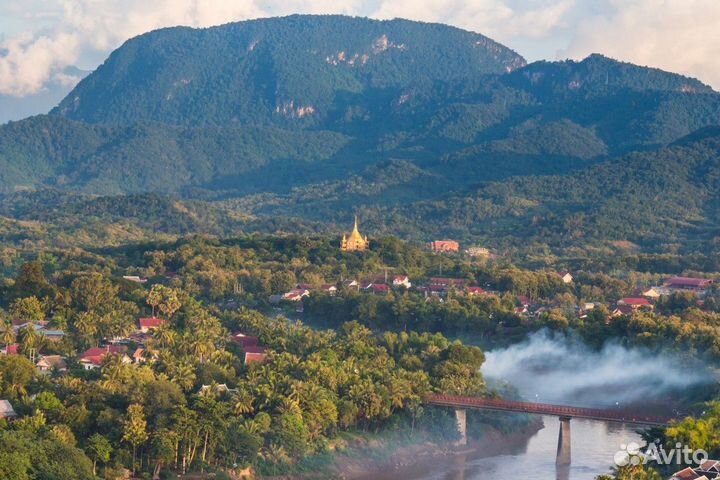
<point>11,349</point>
<point>93,357</point>
<point>135,279</point>
<point>296,294</point>
<point>565,276</point>
<point>401,281</point>
<point>379,288</point>
<point>635,303</point>
<point>477,252</point>
<point>652,293</point>
<point>351,284</point>
<point>51,334</point>
<point>254,354</point>
<point>138,355</point>
<point>524,300</point>
<point>220,388</point>
<point>51,363</point>
<point>330,289</point>
<point>244,340</point>
<point>473,291</point>
<point>689,284</point>
<point>150,324</point>
<point>709,469</point>
<point>447,282</point>
<point>445,246</point>
<point>622,310</point>
<point>7,412</point>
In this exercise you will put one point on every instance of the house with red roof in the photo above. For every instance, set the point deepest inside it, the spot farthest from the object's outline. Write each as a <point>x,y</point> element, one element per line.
<point>635,303</point>
<point>254,354</point>
<point>295,295</point>
<point>149,324</point>
<point>244,340</point>
<point>447,282</point>
<point>401,281</point>
<point>707,470</point>
<point>472,291</point>
<point>93,357</point>
<point>698,285</point>
<point>445,246</point>
<point>379,288</point>
<point>11,349</point>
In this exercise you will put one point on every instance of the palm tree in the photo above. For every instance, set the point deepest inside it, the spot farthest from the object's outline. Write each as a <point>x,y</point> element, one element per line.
<point>86,325</point>
<point>182,374</point>
<point>8,336</point>
<point>115,373</point>
<point>165,337</point>
<point>243,403</point>
<point>30,340</point>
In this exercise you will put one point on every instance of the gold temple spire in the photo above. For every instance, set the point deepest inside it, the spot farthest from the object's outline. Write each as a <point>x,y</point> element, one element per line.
<point>355,242</point>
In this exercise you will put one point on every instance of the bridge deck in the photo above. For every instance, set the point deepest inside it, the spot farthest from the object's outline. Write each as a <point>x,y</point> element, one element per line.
<point>545,409</point>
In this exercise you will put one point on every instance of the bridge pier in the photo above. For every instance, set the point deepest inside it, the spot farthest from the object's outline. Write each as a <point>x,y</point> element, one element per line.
<point>563,450</point>
<point>461,420</point>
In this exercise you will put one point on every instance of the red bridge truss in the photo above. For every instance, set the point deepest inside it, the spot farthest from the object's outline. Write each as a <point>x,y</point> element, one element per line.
<point>545,409</point>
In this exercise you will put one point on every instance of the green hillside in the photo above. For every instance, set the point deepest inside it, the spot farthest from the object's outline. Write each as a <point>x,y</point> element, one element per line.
<point>296,123</point>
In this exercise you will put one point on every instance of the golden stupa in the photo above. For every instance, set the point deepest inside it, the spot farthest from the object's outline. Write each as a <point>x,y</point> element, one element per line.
<point>355,242</point>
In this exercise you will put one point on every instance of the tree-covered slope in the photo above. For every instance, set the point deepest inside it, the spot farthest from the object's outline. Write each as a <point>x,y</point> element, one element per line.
<point>47,151</point>
<point>291,70</point>
<point>428,130</point>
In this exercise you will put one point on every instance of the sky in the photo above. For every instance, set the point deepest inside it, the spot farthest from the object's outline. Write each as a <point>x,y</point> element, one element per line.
<point>39,39</point>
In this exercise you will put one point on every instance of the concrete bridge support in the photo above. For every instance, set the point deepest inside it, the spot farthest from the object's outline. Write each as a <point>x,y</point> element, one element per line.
<point>563,450</point>
<point>460,418</point>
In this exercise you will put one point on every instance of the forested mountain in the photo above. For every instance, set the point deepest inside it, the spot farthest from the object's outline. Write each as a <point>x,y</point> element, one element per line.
<point>426,129</point>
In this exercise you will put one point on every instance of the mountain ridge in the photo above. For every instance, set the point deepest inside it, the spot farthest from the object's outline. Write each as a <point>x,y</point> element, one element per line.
<point>286,118</point>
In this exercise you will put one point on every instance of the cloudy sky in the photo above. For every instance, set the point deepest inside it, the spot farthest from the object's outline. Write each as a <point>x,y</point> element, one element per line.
<point>40,38</point>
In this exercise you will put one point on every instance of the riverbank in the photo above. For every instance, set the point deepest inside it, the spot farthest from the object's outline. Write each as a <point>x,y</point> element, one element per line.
<point>421,457</point>
<point>365,456</point>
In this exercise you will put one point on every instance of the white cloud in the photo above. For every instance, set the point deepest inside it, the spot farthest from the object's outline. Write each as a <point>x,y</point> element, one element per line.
<point>679,35</point>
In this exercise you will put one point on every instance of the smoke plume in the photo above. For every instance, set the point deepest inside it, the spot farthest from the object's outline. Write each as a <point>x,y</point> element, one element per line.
<point>562,369</point>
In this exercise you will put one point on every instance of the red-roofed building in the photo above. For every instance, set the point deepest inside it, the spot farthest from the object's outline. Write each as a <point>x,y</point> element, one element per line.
<point>524,300</point>
<point>148,324</point>
<point>447,282</point>
<point>707,470</point>
<point>472,291</point>
<point>635,303</point>
<point>93,357</point>
<point>254,354</point>
<point>11,349</point>
<point>296,294</point>
<point>245,340</point>
<point>379,288</point>
<point>688,283</point>
<point>445,246</point>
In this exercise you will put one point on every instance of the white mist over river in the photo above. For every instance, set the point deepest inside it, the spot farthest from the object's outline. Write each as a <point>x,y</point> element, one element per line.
<point>563,370</point>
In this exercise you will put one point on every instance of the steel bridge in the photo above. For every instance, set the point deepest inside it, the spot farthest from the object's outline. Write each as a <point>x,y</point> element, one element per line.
<point>564,412</point>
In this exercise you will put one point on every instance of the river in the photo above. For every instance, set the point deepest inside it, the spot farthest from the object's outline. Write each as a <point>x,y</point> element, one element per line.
<point>531,458</point>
